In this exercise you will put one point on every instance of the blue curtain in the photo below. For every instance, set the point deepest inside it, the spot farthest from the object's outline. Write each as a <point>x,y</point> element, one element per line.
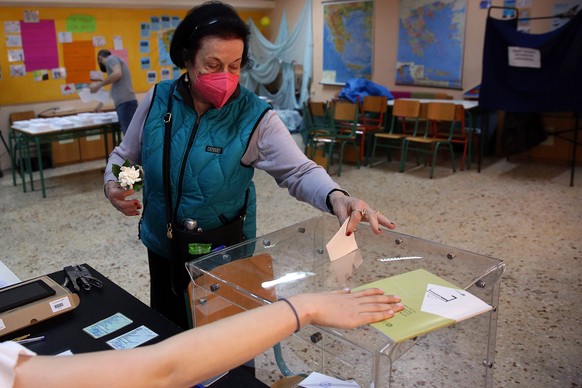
<point>556,86</point>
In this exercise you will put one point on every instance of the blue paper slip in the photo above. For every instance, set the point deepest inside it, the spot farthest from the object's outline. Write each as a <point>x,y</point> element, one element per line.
<point>107,325</point>
<point>133,338</point>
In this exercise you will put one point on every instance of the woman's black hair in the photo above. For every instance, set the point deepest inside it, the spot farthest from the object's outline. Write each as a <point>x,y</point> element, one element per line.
<point>213,18</point>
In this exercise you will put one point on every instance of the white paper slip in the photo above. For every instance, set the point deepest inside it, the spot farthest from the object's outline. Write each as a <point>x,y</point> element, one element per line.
<point>101,95</point>
<point>107,325</point>
<point>212,380</point>
<point>340,244</point>
<point>7,277</point>
<point>316,379</point>
<point>452,303</point>
<point>132,338</point>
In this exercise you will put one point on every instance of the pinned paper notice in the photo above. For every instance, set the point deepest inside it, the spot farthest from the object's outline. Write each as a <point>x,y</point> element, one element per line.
<point>524,57</point>
<point>340,244</point>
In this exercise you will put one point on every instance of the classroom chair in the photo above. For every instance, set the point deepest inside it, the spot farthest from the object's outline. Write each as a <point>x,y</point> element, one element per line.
<point>404,122</point>
<point>440,126</point>
<point>341,132</point>
<point>371,120</point>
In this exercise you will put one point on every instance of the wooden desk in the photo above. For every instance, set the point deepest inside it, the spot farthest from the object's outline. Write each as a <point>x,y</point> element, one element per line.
<point>39,131</point>
<point>65,331</point>
<point>57,112</point>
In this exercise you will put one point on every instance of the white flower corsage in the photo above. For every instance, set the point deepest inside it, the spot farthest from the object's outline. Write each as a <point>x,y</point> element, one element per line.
<point>129,176</point>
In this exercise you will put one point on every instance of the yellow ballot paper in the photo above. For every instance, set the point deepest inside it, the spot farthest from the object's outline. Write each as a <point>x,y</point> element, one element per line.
<point>340,244</point>
<point>429,304</point>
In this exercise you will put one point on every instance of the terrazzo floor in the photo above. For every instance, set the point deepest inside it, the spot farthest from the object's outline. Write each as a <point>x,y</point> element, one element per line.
<point>524,213</point>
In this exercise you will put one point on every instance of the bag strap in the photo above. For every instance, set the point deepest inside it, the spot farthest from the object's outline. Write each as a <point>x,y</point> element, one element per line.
<point>166,160</point>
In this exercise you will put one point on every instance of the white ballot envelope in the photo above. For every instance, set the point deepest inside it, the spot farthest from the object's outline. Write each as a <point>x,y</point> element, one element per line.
<point>340,244</point>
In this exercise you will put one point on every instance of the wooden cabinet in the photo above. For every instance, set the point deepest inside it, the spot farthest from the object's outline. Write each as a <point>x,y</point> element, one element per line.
<point>66,151</point>
<point>81,149</point>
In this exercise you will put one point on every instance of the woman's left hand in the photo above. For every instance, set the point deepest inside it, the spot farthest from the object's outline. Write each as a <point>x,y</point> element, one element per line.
<point>357,210</point>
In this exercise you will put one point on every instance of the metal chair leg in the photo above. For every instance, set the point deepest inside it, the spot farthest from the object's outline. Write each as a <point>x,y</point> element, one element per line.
<point>404,155</point>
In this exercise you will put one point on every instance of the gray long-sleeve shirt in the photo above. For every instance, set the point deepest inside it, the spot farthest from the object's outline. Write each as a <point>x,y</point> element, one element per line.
<point>271,149</point>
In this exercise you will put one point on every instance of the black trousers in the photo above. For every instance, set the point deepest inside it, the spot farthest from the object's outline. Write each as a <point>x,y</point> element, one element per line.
<point>169,289</point>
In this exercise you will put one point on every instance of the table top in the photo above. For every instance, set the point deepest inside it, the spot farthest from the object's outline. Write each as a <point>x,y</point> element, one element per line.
<point>42,126</point>
<point>65,332</point>
<point>467,104</point>
<point>62,112</point>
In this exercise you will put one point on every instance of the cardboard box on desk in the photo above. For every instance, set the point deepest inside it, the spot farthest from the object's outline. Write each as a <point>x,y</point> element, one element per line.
<point>27,314</point>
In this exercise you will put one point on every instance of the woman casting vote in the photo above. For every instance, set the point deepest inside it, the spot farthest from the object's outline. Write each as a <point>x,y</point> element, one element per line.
<point>199,140</point>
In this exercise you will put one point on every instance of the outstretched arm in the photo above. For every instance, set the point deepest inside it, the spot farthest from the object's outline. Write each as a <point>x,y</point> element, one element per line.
<point>273,149</point>
<point>111,78</point>
<point>201,353</point>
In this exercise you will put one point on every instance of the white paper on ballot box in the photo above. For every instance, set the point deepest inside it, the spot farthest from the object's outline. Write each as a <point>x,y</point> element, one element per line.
<point>452,303</point>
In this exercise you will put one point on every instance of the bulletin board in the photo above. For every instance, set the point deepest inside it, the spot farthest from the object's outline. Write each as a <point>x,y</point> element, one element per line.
<point>50,54</point>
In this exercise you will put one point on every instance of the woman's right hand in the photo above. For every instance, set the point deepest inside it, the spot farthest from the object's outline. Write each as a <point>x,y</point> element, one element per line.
<point>345,309</point>
<point>118,198</point>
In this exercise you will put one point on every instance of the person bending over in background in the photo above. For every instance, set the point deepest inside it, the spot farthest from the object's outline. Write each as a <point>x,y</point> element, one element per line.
<point>119,77</point>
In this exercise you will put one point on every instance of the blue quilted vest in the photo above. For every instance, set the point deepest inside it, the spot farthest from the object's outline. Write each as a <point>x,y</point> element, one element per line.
<point>205,161</point>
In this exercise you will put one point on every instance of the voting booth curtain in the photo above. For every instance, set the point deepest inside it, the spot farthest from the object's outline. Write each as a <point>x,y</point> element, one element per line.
<point>527,74</point>
<point>271,59</point>
<point>532,72</point>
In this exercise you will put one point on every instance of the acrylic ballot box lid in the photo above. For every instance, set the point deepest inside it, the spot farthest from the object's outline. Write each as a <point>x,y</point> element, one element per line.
<point>249,275</point>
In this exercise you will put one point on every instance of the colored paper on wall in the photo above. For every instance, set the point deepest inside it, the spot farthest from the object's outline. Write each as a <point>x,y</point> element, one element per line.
<point>155,23</point>
<point>81,23</point>
<point>39,41</point>
<point>12,27</point>
<point>13,41</point>
<point>80,59</point>
<point>121,54</point>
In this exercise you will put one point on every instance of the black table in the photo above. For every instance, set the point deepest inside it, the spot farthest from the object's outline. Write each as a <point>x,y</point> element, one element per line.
<point>65,331</point>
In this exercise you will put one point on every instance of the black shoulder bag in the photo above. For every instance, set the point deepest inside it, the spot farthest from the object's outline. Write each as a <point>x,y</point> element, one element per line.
<point>189,244</point>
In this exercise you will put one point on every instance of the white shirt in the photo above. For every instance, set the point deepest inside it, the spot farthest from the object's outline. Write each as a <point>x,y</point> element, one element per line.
<point>9,352</point>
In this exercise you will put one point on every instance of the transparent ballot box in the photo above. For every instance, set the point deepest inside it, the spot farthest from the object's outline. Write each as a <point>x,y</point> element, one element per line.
<point>461,354</point>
